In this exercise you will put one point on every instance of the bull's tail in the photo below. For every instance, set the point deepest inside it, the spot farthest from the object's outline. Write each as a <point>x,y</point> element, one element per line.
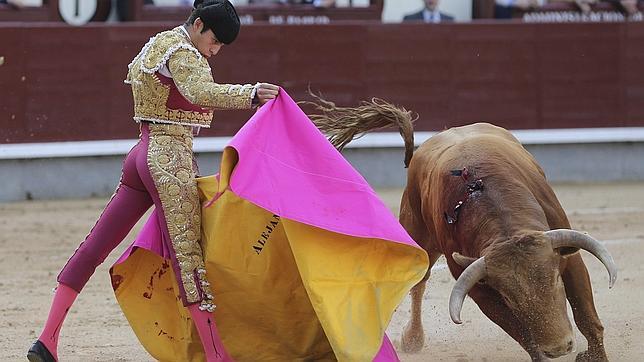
<point>343,124</point>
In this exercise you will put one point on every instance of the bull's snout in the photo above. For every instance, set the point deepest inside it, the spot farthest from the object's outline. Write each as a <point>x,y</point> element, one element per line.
<point>560,350</point>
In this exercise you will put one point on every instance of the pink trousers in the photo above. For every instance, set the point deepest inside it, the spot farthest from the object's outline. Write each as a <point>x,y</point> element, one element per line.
<point>135,193</point>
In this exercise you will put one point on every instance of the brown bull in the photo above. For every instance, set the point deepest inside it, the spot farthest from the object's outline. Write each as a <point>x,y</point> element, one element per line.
<point>475,195</point>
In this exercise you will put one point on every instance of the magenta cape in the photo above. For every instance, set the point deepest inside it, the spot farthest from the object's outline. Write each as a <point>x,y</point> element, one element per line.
<point>293,233</point>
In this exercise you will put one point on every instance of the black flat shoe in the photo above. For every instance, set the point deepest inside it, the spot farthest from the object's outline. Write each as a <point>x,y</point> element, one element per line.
<point>39,353</point>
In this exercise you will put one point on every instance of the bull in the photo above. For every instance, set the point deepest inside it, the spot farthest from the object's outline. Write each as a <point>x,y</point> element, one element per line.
<point>475,195</point>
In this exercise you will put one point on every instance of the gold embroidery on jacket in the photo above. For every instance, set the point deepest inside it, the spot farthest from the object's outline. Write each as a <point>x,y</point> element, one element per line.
<point>170,162</point>
<point>192,76</point>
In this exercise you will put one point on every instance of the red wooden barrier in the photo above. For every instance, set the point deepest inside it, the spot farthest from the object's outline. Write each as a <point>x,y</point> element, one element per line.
<point>65,83</point>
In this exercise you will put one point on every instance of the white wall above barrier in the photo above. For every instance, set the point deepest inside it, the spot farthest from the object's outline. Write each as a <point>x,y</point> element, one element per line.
<point>372,140</point>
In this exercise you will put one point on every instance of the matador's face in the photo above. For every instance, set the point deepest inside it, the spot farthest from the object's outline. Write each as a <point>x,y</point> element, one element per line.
<point>205,41</point>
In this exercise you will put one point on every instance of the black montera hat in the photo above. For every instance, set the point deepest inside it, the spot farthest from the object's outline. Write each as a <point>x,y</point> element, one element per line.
<point>220,17</point>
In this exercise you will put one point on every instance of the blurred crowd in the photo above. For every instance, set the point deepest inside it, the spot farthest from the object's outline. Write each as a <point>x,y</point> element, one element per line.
<point>428,11</point>
<point>504,8</point>
<point>318,3</point>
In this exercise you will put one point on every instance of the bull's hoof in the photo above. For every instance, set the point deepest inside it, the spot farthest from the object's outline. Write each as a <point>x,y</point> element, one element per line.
<point>412,341</point>
<point>589,356</point>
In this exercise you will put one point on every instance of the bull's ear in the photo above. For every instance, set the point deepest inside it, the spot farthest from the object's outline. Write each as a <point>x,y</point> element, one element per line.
<point>462,260</point>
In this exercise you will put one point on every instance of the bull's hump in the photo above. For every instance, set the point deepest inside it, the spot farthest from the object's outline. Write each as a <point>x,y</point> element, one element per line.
<point>471,132</point>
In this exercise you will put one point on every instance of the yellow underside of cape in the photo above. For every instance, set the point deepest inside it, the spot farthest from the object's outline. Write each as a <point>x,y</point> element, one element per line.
<point>284,291</point>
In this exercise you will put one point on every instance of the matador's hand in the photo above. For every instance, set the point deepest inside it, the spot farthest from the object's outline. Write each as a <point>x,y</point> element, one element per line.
<point>266,92</point>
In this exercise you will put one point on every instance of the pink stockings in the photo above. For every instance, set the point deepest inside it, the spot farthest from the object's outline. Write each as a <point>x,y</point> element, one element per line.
<point>208,334</point>
<point>63,300</point>
<point>65,297</point>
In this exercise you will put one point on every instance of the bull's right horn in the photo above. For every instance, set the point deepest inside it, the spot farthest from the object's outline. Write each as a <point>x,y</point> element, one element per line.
<point>560,238</point>
<point>470,276</point>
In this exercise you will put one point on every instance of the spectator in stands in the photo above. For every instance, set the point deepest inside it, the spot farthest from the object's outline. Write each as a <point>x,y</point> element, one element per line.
<point>318,3</point>
<point>430,14</point>
<point>324,3</point>
<point>503,9</point>
<point>628,7</point>
<point>583,5</point>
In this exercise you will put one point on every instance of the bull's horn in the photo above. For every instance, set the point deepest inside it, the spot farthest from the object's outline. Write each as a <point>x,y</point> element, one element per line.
<point>570,238</point>
<point>470,276</point>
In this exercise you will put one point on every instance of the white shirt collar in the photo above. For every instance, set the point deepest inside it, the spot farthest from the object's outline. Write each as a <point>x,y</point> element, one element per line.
<point>183,28</point>
<point>431,16</point>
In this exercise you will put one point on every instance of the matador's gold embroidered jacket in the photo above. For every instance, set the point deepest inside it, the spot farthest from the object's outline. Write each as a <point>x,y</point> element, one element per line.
<point>172,83</point>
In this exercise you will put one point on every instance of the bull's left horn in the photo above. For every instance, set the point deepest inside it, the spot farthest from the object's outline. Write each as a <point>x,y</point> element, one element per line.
<point>470,276</point>
<point>570,238</point>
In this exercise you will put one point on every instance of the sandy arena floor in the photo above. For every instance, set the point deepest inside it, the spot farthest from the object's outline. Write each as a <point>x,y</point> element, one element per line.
<point>37,237</point>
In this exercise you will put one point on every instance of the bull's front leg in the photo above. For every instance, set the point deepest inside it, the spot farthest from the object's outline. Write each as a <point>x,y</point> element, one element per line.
<point>492,305</point>
<point>413,336</point>
<point>580,295</point>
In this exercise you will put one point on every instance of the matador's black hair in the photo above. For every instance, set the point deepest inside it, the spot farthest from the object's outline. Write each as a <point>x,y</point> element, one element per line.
<point>219,16</point>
